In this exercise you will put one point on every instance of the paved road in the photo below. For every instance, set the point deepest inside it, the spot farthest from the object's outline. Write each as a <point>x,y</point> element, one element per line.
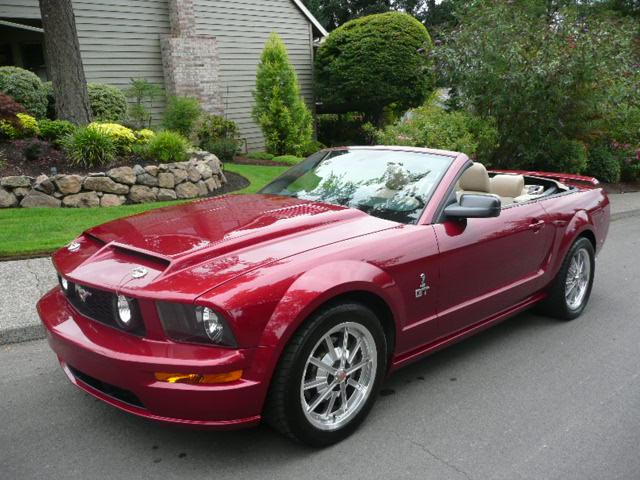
<point>530,399</point>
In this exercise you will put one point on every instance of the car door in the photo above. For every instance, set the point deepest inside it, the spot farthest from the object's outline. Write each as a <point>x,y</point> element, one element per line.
<point>489,264</point>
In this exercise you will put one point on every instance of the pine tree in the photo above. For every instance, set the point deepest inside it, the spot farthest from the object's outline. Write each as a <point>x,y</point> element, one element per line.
<point>279,109</point>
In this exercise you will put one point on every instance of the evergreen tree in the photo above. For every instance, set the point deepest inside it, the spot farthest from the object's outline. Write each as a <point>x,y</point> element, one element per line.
<point>279,109</point>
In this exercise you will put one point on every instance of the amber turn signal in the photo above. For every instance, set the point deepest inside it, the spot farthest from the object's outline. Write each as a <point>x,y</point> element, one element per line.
<point>197,378</point>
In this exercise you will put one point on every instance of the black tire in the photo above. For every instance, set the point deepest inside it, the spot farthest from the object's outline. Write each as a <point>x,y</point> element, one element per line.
<point>556,304</point>
<point>284,409</point>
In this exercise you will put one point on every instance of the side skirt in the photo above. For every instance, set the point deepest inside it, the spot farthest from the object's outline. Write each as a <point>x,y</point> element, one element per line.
<point>402,360</point>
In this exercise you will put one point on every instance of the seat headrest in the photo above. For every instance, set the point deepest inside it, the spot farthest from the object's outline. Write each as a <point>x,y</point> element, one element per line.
<point>507,185</point>
<point>476,179</point>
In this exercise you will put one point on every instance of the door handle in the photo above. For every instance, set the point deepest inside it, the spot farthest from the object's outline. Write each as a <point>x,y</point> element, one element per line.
<point>536,225</point>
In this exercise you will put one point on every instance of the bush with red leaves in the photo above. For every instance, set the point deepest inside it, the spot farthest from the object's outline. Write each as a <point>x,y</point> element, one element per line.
<point>9,108</point>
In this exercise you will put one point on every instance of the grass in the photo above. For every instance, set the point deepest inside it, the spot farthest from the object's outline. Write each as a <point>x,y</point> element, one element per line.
<point>35,231</point>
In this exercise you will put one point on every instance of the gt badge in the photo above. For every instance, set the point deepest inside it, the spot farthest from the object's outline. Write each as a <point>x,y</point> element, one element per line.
<point>83,293</point>
<point>424,288</point>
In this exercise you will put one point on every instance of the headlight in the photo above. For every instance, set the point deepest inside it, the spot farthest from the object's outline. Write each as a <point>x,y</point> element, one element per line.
<point>64,283</point>
<point>189,323</point>
<point>126,313</point>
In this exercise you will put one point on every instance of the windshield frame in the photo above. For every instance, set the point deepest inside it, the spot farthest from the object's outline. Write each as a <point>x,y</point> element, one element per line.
<point>321,155</point>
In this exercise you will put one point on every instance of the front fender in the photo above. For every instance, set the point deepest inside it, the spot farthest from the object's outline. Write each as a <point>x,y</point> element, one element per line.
<point>321,284</point>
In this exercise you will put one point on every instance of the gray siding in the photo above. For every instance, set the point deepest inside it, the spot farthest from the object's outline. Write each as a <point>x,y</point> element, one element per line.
<point>242,27</point>
<point>19,9</point>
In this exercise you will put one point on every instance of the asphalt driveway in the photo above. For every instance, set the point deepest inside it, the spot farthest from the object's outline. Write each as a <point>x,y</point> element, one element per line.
<point>532,398</point>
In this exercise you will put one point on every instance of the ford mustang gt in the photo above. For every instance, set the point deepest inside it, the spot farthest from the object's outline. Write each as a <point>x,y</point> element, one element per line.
<point>292,305</point>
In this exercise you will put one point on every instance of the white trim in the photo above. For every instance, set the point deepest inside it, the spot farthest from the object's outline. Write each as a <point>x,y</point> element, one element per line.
<point>311,18</point>
<point>6,23</point>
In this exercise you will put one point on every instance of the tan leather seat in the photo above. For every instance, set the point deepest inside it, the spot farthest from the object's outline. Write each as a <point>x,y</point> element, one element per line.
<point>507,187</point>
<point>475,179</point>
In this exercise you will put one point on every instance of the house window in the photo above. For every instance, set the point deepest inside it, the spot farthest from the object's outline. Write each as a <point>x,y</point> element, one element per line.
<point>6,55</point>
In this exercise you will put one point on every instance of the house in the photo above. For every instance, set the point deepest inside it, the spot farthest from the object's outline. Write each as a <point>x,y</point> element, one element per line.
<point>209,49</point>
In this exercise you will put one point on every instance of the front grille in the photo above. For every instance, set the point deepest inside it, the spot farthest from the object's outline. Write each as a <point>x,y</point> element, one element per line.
<point>100,305</point>
<point>110,390</point>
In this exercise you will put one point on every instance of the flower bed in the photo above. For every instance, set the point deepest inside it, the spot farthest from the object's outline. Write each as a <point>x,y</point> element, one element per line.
<point>200,176</point>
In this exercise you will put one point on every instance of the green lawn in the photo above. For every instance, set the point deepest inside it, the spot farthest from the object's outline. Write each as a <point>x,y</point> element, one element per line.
<point>33,231</point>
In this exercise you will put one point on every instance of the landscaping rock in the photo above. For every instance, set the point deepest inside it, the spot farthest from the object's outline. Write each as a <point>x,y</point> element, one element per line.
<point>179,175</point>
<point>166,180</point>
<point>187,190</point>
<point>164,195</point>
<point>212,184</point>
<point>105,184</point>
<point>38,199</point>
<point>193,174</point>
<point>152,170</point>
<point>16,181</point>
<point>148,180</point>
<point>21,192</point>
<point>110,200</point>
<point>141,194</point>
<point>202,189</point>
<point>138,170</point>
<point>205,170</point>
<point>81,200</point>
<point>7,199</point>
<point>97,174</point>
<point>44,184</point>
<point>68,184</point>
<point>123,175</point>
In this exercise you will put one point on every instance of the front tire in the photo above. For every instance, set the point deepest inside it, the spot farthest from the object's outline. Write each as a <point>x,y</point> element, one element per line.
<point>571,289</point>
<point>329,376</point>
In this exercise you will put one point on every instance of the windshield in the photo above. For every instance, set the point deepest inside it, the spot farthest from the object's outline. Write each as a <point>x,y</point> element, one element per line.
<point>393,185</point>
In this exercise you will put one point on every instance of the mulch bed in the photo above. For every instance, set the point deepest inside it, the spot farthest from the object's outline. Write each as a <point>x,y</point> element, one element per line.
<point>234,182</point>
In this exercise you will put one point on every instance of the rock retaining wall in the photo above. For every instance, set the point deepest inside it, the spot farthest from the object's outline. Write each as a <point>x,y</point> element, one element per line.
<point>199,177</point>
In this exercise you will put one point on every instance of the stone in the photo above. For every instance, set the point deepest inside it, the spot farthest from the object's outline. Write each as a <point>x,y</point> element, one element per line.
<point>21,191</point>
<point>204,170</point>
<point>44,184</point>
<point>106,185</point>
<point>97,174</point>
<point>193,174</point>
<point>148,180</point>
<point>181,165</point>
<point>58,195</point>
<point>187,190</point>
<point>123,175</point>
<point>138,170</point>
<point>16,181</point>
<point>111,200</point>
<point>223,179</point>
<point>7,199</point>
<point>141,194</point>
<point>68,184</point>
<point>215,165</point>
<point>179,175</point>
<point>152,170</point>
<point>165,194</point>
<point>81,200</point>
<point>38,199</point>
<point>202,189</point>
<point>212,183</point>
<point>166,180</point>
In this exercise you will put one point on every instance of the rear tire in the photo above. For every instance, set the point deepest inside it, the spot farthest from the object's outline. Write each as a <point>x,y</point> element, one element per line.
<point>570,291</point>
<point>316,374</point>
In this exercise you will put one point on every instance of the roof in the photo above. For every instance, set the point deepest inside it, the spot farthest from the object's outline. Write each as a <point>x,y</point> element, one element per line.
<point>311,18</point>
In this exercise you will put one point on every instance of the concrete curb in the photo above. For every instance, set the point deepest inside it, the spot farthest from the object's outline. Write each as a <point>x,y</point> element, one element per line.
<point>36,331</point>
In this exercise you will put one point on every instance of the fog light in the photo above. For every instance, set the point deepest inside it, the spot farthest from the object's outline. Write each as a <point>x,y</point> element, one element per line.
<point>124,314</point>
<point>197,378</point>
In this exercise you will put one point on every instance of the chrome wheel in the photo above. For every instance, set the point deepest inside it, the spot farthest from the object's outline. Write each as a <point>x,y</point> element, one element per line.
<point>577,281</point>
<point>338,376</point>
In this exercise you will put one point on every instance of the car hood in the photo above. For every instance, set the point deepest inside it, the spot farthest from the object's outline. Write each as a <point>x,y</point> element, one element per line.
<point>189,249</point>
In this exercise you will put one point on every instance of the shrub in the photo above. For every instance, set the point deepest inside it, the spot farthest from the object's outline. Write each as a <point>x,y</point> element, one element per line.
<point>55,130</point>
<point>182,115</point>
<point>144,136</point>
<point>214,127</point>
<point>288,159</point>
<point>121,136</point>
<point>603,163</point>
<point>8,130</point>
<point>224,148</point>
<point>167,146</point>
<point>25,88</point>
<point>108,103</point>
<point>260,155</point>
<point>89,147</point>
<point>9,108</point>
<point>143,93</point>
<point>565,155</point>
<point>434,127</point>
<point>341,129</point>
<point>24,126</point>
<point>279,109</point>
<point>34,149</point>
<point>372,62</point>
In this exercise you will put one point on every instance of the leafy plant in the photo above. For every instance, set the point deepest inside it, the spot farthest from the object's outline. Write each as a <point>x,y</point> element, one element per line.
<point>214,127</point>
<point>260,155</point>
<point>108,103</point>
<point>373,63</point>
<point>182,115</point>
<point>55,130</point>
<point>288,159</point>
<point>603,163</point>
<point>9,108</point>
<point>144,93</point>
<point>121,136</point>
<point>167,146</point>
<point>25,88</point>
<point>144,136</point>
<point>28,125</point>
<point>224,148</point>
<point>34,149</point>
<point>279,108</point>
<point>89,147</point>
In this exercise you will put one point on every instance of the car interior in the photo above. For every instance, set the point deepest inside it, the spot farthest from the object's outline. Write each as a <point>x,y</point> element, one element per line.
<point>510,188</point>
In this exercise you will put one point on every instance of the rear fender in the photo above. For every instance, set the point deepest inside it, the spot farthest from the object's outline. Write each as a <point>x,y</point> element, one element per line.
<point>580,223</point>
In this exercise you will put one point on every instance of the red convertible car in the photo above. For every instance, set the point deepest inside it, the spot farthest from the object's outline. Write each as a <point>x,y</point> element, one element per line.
<point>293,305</point>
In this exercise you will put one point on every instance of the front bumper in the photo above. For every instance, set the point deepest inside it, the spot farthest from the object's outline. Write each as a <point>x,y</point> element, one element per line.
<point>118,368</point>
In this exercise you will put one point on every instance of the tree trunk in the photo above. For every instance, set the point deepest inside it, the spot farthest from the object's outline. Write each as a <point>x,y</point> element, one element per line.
<point>63,61</point>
